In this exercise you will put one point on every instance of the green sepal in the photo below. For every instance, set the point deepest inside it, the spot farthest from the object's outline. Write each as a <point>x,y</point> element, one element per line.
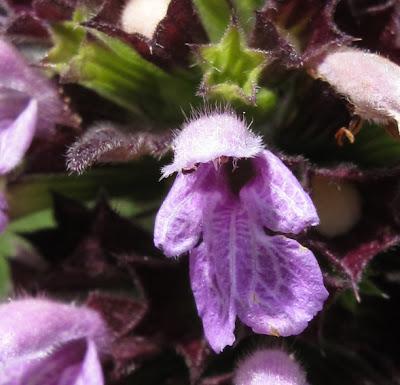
<point>366,287</point>
<point>232,72</point>
<point>117,72</point>
<point>67,39</point>
<point>215,16</point>
<point>245,11</point>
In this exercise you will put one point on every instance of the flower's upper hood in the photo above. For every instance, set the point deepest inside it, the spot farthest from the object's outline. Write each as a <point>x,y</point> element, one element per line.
<point>210,137</point>
<point>36,326</point>
<point>369,81</point>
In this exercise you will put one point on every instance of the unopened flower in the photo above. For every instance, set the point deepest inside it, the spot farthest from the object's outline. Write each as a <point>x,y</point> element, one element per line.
<point>269,367</point>
<point>45,343</point>
<point>369,81</point>
<point>229,189</point>
<point>29,105</point>
<point>143,16</point>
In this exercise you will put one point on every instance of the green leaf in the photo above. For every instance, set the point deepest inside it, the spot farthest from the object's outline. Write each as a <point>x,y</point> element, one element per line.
<point>373,147</point>
<point>232,71</point>
<point>117,72</point>
<point>5,280</point>
<point>38,220</point>
<point>10,244</point>
<point>215,16</point>
<point>34,193</point>
<point>44,219</point>
<point>125,207</point>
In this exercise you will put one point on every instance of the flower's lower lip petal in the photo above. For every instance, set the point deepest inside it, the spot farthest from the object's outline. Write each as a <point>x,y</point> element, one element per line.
<point>213,304</point>
<point>286,288</point>
<point>273,284</point>
<point>278,198</point>
<point>17,136</point>
<point>213,267</point>
<point>178,222</point>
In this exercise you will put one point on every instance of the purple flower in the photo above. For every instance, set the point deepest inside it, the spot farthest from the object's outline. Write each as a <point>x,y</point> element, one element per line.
<point>228,191</point>
<point>47,343</point>
<point>29,105</point>
<point>269,367</point>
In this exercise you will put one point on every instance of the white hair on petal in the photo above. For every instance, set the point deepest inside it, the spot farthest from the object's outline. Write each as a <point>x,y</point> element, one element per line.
<point>209,133</point>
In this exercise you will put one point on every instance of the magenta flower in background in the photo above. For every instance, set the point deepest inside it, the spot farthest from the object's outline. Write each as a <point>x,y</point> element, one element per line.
<point>47,343</point>
<point>29,105</point>
<point>269,367</point>
<point>228,191</point>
